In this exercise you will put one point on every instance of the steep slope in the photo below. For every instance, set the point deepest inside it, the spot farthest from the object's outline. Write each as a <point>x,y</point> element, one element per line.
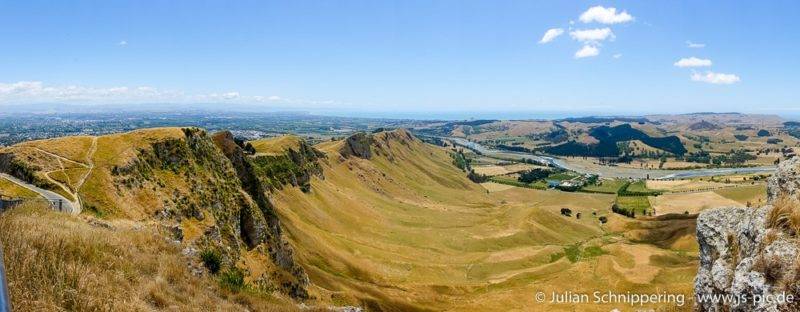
<point>395,226</point>
<point>59,262</point>
<point>194,187</point>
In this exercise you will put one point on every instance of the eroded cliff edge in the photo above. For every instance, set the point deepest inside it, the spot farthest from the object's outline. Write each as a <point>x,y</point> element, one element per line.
<point>749,256</point>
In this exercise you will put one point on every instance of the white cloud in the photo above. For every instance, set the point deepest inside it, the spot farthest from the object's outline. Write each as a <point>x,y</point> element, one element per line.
<point>695,45</point>
<point>592,35</point>
<point>604,15</point>
<point>618,55</point>
<point>36,91</point>
<point>715,78</point>
<point>587,51</point>
<point>122,43</point>
<point>551,34</point>
<point>692,62</point>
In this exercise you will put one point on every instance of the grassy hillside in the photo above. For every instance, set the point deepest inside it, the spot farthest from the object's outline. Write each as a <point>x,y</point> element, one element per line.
<point>381,221</point>
<point>183,181</point>
<point>10,189</point>
<point>57,262</point>
<point>404,229</point>
<point>277,145</point>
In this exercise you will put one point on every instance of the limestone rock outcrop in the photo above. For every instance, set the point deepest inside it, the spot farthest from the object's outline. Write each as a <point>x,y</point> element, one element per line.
<point>747,263</point>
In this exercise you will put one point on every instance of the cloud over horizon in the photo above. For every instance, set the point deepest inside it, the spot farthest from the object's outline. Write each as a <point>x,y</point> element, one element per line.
<point>21,92</point>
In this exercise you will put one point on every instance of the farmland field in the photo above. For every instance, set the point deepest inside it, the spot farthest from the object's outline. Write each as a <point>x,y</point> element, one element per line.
<point>640,205</point>
<point>606,186</point>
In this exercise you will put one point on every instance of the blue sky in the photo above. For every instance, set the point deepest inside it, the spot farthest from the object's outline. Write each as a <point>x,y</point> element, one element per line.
<point>404,56</point>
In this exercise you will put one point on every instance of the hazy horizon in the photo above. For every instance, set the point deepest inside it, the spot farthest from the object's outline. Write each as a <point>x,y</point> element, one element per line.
<point>65,109</point>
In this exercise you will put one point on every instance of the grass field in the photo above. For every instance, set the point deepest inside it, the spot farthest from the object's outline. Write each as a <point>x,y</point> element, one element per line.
<point>639,187</point>
<point>691,202</point>
<point>495,170</point>
<point>640,205</point>
<point>605,186</point>
<point>512,181</point>
<point>496,187</point>
<point>756,195</point>
<point>686,185</point>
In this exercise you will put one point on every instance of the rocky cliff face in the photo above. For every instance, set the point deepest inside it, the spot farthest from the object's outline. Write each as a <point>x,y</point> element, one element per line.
<point>750,255</point>
<point>358,145</point>
<point>786,181</point>
<point>223,197</point>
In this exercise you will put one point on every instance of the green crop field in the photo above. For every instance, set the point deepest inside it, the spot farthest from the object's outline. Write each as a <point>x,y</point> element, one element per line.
<point>605,186</point>
<point>640,205</point>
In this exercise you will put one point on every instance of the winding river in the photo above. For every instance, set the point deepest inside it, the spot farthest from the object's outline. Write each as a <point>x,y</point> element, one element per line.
<point>613,171</point>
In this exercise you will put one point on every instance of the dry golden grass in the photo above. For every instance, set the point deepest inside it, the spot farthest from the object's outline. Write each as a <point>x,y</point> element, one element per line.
<point>751,195</point>
<point>73,148</point>
<point>118,149</point>
<point>691,202</point>
<point>496,187</point>
<point>8,188</point>
<point>494,170</point>
<point>56,262</point>
<point>685,185</point>
<point>276,145</point>
<point>785,216</point>
<point>407,231</point>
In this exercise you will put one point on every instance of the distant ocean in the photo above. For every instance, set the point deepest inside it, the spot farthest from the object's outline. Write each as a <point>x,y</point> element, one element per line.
<point>513,115</point>
<point>459,115</point>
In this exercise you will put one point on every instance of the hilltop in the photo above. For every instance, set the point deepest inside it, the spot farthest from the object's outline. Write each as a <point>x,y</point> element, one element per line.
<point>189,184</point>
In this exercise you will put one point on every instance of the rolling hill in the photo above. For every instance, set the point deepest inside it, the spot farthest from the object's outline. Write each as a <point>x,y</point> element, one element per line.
<point>380,221</point>
<point>185,182</point>
<point>608,138</point>
<point>394,226</point>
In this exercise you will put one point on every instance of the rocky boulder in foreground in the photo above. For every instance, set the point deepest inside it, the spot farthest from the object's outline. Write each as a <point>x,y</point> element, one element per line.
<point>752,266</point>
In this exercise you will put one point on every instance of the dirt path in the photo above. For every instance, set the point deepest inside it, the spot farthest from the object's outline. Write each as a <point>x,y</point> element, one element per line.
<point>89,162</point>
<point>62,157</point>
<point>76,205</point>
